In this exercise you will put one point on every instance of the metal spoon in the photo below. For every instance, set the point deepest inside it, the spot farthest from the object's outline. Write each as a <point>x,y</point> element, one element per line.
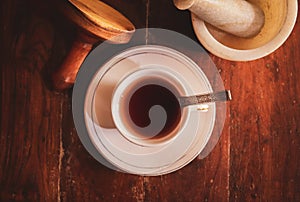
<point>219,96</point>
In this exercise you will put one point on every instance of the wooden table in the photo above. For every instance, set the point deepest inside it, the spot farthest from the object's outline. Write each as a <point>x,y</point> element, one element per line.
<point>42,159</point>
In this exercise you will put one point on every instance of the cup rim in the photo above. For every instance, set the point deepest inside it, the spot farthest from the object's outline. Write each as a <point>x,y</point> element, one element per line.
<point>157,73</point>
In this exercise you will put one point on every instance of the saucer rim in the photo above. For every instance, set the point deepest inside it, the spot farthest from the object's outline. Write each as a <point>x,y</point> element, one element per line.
<point>196,134</point>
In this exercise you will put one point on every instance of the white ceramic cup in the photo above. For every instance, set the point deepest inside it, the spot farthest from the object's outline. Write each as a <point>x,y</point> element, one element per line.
<point>154,134</point>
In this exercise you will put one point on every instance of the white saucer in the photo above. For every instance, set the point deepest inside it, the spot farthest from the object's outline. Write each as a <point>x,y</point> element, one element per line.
<point>133,158</point>
<point>97,79</point>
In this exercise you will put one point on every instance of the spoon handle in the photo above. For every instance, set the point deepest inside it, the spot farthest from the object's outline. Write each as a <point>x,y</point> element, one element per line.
<point>205,98</point>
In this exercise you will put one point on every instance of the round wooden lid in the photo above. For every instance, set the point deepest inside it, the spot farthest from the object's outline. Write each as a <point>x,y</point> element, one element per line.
<point>100,20</point>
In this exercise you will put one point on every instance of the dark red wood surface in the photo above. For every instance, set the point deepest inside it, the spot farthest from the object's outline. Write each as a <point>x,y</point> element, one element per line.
<point>42,159</point>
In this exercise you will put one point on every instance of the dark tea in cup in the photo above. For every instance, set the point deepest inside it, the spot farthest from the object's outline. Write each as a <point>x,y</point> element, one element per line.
<point>146,98</point>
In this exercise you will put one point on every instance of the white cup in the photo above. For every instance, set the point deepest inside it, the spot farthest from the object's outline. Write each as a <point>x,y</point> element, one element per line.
<point>162,129</point>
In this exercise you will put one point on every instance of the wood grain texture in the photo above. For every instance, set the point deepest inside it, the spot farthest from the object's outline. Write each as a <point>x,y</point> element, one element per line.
<point>265,127</point>
<point>30,114</point>
<point>42,158</point>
